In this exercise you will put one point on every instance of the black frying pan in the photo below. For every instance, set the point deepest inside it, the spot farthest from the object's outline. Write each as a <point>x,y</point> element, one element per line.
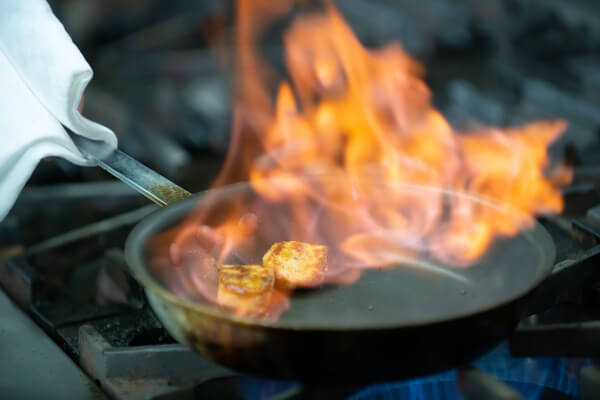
<point>417,318</point>
<point>414,319</point>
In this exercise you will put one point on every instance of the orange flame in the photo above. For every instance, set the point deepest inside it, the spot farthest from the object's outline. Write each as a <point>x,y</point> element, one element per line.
<point>349,126</point>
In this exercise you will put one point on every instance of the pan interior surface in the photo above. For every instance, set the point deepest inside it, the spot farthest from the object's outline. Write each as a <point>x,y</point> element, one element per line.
<point>417,291</point>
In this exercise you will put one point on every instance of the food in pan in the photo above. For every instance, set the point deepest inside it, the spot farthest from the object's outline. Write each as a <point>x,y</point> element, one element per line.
<point>297,263</point>
<point>246,289</point>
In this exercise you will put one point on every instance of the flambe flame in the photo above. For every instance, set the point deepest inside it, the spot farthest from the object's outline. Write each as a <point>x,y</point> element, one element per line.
<point>351,126</point>
<point>367,117</point>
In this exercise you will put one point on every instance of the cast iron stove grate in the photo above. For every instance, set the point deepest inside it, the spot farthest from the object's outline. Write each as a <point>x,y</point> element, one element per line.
<point>74,285</point>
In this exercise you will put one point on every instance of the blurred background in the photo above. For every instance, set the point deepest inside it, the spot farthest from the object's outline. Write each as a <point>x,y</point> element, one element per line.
<point>163,85</point>
<point>160,87</point>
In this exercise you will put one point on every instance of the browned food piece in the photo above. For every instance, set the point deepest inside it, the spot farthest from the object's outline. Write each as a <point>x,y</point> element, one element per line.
<point>297,263</point>
<point>247,289</point>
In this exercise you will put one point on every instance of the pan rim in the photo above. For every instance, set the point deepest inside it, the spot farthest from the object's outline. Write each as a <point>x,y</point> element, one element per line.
<point>137,237</point>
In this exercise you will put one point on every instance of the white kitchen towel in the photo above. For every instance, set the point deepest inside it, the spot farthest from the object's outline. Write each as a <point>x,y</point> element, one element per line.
<point>42,78</point>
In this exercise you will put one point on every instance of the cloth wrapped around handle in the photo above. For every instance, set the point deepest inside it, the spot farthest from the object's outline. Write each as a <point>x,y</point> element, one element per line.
<point>43,76</point>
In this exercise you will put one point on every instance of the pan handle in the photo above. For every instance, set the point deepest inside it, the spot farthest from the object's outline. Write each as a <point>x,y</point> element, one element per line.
<point>130,171</point>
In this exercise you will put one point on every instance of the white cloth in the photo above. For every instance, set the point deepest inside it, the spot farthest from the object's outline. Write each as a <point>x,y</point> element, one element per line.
<point>42,78</point>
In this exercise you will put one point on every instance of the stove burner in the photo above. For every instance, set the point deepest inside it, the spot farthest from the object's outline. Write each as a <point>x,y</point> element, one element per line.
<point>117,340</point>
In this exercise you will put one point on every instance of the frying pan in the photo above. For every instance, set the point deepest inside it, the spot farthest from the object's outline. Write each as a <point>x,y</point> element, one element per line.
<point>393,323</point>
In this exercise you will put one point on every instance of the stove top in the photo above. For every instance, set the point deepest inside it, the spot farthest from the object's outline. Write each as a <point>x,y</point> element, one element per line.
<point>75,287</point>
<point>80,327</point>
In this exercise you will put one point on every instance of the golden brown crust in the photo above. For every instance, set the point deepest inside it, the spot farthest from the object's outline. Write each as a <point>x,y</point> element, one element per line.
<point>245,288</point>
<point>246,279</point>
<point>297,263</point>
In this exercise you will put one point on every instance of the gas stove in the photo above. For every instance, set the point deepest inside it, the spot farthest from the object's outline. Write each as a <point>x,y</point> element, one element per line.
<point>74,285</point>
<point>76,325</point>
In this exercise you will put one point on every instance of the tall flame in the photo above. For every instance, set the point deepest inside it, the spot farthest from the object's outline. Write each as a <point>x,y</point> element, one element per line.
<point>366,116</point>
<point>347,129</point>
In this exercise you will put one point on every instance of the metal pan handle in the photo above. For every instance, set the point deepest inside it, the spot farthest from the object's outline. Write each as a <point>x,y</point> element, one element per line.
<point>130,171</point>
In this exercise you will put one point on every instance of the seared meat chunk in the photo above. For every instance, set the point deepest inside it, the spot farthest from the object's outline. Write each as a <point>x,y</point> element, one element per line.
<point>297,263</point>
<point>247,289</point>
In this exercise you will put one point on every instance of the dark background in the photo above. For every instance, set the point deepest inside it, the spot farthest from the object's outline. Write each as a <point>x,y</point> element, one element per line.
<point>500,62</point>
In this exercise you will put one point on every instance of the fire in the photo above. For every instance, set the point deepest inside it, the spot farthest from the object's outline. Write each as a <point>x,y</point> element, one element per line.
<point>348,129</point>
